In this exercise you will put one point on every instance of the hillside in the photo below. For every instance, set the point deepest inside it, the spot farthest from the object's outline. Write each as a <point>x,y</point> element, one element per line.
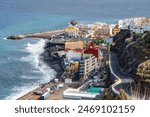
<point>133,52</point>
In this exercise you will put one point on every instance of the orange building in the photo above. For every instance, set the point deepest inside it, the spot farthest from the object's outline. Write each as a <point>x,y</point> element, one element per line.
<point>74,45</point>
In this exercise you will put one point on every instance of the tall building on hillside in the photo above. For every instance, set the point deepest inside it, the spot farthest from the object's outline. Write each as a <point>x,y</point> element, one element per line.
<point>88,63</point>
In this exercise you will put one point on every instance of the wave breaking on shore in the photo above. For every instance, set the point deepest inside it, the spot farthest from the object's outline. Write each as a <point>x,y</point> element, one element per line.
<point>36,60</point>
<point>44,72</point>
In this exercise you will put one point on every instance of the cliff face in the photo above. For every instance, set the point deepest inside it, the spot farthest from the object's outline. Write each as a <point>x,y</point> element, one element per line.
<point>133,52</point>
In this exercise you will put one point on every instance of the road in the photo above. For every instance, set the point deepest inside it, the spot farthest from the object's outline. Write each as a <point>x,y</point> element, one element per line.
<point>122,80</point>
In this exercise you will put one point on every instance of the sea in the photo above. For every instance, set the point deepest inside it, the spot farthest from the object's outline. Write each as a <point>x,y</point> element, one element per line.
<point>19,69</point>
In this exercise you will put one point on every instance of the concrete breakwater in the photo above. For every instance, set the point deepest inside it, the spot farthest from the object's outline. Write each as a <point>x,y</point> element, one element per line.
<point>44,35</point>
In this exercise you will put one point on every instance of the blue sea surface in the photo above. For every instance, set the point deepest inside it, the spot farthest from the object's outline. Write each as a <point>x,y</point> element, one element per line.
<point>19,70</point>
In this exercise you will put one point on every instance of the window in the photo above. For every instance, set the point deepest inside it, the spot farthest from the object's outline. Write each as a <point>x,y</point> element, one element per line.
<point>87,67</point>
<point>93,64</point>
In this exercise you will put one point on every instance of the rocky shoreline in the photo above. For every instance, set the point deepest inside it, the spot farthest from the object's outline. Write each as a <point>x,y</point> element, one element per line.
<point>52,62</point>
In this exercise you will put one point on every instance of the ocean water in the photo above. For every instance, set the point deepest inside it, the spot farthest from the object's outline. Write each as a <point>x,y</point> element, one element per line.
<point>19,70</point>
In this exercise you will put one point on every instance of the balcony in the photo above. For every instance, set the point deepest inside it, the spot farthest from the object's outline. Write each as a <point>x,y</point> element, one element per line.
<point>82,74</point>
<point>81,70</point>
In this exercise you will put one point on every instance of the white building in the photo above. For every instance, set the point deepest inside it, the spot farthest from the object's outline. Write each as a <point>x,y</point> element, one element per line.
<point>61,53</point>
<point>138,25</point>
<point>87,65</point>
<point>72,54</point>
<point>139,29</point>
<point>123,24</point>
<point>111,29</point>
<point>76,94</point>
<point>109,40</point>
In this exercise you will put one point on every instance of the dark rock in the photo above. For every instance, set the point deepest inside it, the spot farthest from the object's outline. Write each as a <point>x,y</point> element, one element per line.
<point>14,37</point>
<point>73,22</point>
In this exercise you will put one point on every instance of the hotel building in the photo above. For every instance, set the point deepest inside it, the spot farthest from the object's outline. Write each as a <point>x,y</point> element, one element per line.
<point>87,64</point>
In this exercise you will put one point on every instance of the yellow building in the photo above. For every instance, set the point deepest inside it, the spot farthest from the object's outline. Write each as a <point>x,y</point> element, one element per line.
<point>72,31</point>
<point>73,66</point>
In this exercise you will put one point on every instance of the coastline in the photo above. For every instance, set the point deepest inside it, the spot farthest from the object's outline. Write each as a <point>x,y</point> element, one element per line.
<point>52,62</point>
<point>56,43</point>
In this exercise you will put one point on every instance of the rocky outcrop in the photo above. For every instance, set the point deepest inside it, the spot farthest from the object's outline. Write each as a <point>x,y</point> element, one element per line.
<point>18,37</point>
<point>133,52</point>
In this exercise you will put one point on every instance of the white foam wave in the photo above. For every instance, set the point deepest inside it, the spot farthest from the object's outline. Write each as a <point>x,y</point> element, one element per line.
<point>5,38</point>
<point>18,92</point>
<point>26,77</point>
<point>34,58</point>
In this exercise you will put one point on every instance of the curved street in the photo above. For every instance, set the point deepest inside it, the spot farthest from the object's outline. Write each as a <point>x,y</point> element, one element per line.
<point>122,80</point>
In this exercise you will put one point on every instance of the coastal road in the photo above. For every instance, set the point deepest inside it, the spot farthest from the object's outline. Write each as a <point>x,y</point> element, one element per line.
<point>122,80</point>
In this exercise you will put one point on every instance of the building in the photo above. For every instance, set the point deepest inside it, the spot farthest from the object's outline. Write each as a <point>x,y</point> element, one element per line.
<point>74,51</point>
<point>71,69</point>
<point>72,61</point>
<point>103,31</point>
<point>61,53</point>
<point>76,94</point>
<point>141,21</point>
<point>136,29</point>
<point>96,26</point>
<point>137,22</point>
<point>92,49</point>
<point>70,54</point>
<point>109,41</point>
<point>74,45</point>
<point>139,29</point>
<point>123,24</point>
<point>85,30</point>
<point>72,31</point>
<point>88,63</point>
<point>115,30</point>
